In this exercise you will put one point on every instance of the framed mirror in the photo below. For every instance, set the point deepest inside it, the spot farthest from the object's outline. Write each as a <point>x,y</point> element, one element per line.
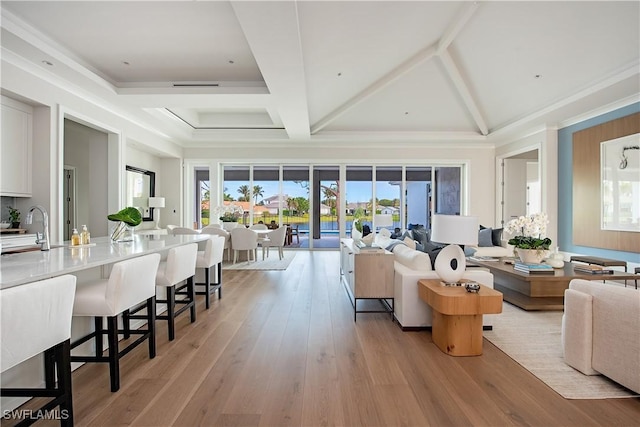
<point>141,184</point>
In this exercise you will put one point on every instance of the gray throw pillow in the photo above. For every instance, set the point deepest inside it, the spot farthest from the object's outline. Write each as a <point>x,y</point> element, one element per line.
<point>484,238</point>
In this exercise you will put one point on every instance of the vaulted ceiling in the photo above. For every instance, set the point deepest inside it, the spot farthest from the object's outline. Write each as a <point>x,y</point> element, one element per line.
<point>212,72</point>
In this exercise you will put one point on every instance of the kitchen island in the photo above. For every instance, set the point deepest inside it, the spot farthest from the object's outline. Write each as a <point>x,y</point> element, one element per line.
<point>20,268</point>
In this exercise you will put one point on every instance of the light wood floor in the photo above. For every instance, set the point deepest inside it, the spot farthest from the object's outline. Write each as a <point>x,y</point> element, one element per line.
<point>281,348</point>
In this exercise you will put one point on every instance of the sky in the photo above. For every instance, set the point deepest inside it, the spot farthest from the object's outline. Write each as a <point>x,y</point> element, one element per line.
<point>357,191</point>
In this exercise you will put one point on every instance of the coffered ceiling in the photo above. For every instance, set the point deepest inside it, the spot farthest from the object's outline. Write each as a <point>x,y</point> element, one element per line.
<point>303,72</point>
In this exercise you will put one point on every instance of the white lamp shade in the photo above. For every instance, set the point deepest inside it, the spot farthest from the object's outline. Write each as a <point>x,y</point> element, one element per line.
<point>461,230</point>
<point>458,230</point>
<point>383,220</point>
<point>156,202</point>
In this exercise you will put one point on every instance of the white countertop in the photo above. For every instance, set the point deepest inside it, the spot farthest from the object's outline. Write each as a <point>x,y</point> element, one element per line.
<point>26,267</point>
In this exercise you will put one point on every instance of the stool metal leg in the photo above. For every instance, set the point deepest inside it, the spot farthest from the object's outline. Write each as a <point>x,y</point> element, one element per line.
<point>151,326</point>
<point>99,329</point>
<point>63,362</point>
<point>114,364</point>
<point>171,306</point>
<point>191,288</point>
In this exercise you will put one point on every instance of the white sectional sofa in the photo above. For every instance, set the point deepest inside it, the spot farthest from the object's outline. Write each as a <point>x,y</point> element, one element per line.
<point>410,266</point>
<point>601,331</point>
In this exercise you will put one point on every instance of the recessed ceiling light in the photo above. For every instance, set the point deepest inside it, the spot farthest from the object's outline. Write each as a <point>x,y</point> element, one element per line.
<point>231,62</point>
<point>406,113</point>
<point>538,76</point>
<point>49,63</point>
<point>339,74</point>
<point>126,63</point>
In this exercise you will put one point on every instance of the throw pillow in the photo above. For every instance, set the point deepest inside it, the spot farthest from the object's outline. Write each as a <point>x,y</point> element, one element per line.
<point>432,250</point>
<point>420,234</point>
<point>496,236</point>
<point>484,238</point>
<point>410,242</point>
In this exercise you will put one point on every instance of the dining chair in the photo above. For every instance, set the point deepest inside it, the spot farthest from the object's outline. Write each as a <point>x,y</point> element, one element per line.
<point>276,240</point>
<point>36,318</point>
<point>184,230</point>
<point>294,232</point>
<point>213,226</point>
<point>244,239</point>
<point>259,227</point>
<point>130,284</point>
<point>222,233</point>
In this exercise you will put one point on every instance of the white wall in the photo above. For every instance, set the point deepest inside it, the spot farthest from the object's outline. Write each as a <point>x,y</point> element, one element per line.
<point>86,150</point>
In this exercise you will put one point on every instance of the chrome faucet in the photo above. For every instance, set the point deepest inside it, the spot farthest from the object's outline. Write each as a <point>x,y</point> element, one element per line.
<point>42,239</point>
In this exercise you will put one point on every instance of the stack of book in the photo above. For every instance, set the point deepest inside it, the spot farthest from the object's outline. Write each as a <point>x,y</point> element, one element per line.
<point>524,267</point>
<point>591,269</point>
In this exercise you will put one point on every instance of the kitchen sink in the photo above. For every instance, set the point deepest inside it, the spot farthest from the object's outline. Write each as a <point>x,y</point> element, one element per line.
<point>21,249</point>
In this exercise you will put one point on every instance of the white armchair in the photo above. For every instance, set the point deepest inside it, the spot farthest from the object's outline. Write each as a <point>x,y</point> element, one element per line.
<point>275,240</point>
<point>244,239</point>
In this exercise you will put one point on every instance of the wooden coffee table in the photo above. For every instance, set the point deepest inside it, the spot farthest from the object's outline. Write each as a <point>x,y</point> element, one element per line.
<point>539,291</point>
<point>457,315</point>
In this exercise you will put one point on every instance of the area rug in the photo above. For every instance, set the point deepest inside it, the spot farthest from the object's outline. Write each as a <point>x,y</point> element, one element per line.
<point>272,262</point>
<point>532,338</point>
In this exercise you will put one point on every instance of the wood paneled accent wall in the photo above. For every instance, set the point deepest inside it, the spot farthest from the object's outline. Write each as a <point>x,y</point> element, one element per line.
<point>586,186</point>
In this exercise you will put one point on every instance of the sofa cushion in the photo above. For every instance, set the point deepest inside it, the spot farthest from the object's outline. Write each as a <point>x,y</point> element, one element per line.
<point>420,235</point>
<point>484,238</point>
<point>496,235</point>
<point>410,258</point>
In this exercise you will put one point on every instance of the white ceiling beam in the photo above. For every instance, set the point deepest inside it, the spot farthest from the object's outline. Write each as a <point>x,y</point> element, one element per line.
<point>463,91</point>
<point>417,59</point>
<point>456,26</point>
<point>272,31</point>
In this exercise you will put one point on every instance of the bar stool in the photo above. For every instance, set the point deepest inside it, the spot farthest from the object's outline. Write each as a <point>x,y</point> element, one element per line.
<point>179,266</point>
<point>36,318</point>
<point>212,255</point>
<point>130,283</point>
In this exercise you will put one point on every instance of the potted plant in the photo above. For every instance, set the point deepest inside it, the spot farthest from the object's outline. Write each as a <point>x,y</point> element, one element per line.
<point>229,215</point>
<point>127,218</point>
<point>14,217</point>
<point>529,243</point>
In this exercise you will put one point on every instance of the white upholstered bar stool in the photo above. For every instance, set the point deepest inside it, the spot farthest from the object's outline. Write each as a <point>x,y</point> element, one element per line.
<point>210,257</point>
<point>220,232</point>
<point>244,239</point>
<point>36,318</point>
<point>179,266</point>
<point>131,283</point>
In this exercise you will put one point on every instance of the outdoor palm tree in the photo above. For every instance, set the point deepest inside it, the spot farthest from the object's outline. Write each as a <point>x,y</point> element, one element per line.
<point>258,191</point>
<point>244,190</point>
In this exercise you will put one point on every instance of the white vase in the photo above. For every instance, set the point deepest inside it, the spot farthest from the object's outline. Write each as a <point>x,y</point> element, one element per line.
<point>531,256</point>
<point>228,226</point>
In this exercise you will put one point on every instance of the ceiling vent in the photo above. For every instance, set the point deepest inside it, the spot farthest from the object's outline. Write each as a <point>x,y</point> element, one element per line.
<point>196,85</point>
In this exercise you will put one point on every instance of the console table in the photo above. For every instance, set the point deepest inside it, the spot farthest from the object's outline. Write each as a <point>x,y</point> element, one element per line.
<point>457,315</point>
<point>368,275</point>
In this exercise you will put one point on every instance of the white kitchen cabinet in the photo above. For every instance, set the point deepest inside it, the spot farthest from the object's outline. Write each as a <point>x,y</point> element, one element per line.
<point>16,147</point>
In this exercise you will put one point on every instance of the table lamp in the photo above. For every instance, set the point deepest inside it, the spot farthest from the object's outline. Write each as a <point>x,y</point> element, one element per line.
<point>456,230</point>
<point>156,202</point>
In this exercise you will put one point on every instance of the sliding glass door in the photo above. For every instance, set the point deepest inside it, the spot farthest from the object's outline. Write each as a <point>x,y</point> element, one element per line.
<point>309,198</point>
